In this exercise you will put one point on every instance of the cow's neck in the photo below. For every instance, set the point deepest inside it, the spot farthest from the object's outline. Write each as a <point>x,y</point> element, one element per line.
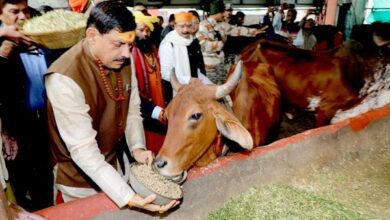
<point>215,150</point>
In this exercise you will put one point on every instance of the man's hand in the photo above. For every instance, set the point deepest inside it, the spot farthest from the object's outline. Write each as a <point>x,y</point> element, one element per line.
<point>162,117</point>
<point>261,30</point>
<point>146,203</point>
<point>10,32</point>
<point>19,213</point>
<point>143,156</point>
<point>10,146</point>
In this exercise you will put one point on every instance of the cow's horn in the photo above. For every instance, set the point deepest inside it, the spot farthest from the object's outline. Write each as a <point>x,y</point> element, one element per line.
<point>174,81</point>
<point>225,89</point>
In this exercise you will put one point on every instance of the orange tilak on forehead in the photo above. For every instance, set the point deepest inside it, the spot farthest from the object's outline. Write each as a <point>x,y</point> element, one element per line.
<point>127,36</point>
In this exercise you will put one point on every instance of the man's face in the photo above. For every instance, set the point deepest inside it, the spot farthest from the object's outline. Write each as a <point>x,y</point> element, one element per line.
<point>184,28</point>
<point>309,24</point>
<point>195,26</point>
<point>240,21</point>
<point>290,17</point>
<point>112,48</point>
<point>228,14</point>
<point>13,14</point>
<point>142,31</point>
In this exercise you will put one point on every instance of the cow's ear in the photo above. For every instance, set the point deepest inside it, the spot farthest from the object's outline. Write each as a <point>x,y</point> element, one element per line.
<point>231,128</point>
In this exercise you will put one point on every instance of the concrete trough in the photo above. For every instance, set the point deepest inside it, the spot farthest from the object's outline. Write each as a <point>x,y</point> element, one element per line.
<point>208,188</point>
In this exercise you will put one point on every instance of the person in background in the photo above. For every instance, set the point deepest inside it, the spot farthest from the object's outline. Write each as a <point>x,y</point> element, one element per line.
<point>94,104</point>
<point>23,111</point>
<point>269,16</point>
<point>212,35</point>
<point>180,53</point>
<point>239,19</point>
<point>147,67</point>
<point>267,21</point>
<point>170,27</point>
<point>139,6</point>
<point>285,25</point>
<point>228,13</point>
<point>7,209</point>
<point>83,6</point>
<point>305,38</point>
<point>195,22</point>
<point>45,8</point>
<point>160,20</point>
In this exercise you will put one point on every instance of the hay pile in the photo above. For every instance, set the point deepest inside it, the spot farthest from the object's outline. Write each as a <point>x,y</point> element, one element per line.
<point>55,21</point>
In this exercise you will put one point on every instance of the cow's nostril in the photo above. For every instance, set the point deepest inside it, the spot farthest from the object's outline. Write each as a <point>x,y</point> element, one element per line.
<point>160,163</point>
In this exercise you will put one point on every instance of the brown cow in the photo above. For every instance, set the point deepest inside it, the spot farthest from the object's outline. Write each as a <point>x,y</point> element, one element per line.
<point>195,117</point>
<point>321,82</point>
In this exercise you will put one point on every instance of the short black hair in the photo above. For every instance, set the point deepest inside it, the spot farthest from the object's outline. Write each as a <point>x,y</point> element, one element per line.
<point>160,18</point>
<point>12,2</point>
<point>109,15</point>
<point>45,8</point>
<point>240,14</point>
<point>293,11</point>
<point>381,30</point>
<point>195,13</point>
<point>171,18</point>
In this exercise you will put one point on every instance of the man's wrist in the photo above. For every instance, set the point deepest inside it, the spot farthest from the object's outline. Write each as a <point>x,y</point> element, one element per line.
<point>130,204</point>
<point>162,116</point>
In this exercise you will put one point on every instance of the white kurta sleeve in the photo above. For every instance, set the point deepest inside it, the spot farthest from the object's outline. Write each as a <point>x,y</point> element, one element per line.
<point>134,131</point>
<point>167,60</point>
<point>75,127</point>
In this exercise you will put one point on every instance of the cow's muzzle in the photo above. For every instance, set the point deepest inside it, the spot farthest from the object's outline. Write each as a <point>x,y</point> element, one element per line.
<point>177,178</point>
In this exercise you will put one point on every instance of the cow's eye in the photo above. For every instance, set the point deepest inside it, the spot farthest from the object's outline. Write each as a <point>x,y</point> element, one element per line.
<point>196,116</point>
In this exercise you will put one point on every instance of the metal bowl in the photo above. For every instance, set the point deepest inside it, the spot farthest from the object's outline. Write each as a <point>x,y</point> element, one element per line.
<point>144,191</point>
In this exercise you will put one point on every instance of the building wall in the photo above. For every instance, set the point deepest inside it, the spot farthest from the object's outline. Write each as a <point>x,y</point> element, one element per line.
<point>52,3</point>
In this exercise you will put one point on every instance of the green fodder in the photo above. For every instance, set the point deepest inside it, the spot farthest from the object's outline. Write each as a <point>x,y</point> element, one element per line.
<point>283,202</point>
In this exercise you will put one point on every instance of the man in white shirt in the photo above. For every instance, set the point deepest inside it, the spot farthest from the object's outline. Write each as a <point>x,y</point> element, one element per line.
<point>93,103</point>
<point>178,51</point>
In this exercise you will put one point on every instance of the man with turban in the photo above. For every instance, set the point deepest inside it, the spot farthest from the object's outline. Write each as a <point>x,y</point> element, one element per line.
<point>147,67</point>
<point>178,51</point>
<point>212,36</point>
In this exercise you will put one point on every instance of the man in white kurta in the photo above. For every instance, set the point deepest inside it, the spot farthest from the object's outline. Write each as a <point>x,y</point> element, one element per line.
<point>93,101</point>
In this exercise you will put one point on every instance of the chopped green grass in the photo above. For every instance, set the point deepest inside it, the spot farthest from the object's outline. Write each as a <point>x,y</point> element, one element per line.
<point>356,187</point>
<point>283,202</point>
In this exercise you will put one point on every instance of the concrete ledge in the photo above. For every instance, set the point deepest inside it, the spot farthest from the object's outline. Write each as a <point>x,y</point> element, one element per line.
<point>207,188</point>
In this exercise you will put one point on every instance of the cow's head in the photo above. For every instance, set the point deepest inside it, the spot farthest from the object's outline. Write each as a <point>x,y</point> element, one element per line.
<point>194,119</point>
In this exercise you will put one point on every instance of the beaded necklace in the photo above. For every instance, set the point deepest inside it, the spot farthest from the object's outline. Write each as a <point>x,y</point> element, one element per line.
<point>151,63</point>
<point>107,85</point>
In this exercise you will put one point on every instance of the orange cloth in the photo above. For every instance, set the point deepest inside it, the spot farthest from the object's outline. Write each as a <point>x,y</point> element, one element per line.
<point>79,5</point>
<point>149,81</point>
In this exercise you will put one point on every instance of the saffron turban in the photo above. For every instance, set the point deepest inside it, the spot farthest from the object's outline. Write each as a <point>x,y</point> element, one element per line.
<point>183,17</point>
<point>140,18</point>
